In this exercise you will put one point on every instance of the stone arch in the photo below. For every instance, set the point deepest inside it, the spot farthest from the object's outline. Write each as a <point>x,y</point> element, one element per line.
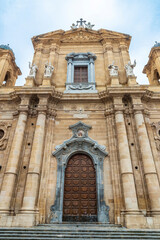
<point>7,79</point>
<point>79,143</point>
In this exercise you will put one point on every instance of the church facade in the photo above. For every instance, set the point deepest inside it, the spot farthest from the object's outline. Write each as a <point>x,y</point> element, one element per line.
<point>80,141</point>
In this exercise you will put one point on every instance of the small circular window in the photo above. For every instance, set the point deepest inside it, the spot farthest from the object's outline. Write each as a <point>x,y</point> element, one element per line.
<point>1,133</point>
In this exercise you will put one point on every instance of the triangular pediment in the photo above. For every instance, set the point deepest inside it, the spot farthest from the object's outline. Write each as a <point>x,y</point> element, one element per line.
<point>79,35</point>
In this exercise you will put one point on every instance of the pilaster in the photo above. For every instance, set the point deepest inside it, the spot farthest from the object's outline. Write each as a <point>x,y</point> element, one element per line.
<point>11,172</point>
<point>150,173</point>
<point>129,190</point>
<point>33,176</point>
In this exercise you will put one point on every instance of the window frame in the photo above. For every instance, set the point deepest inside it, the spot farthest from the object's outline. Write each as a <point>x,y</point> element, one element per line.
<point>80,59</point>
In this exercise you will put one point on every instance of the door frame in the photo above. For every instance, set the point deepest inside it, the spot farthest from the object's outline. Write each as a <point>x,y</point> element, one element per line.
<point>64,152</point>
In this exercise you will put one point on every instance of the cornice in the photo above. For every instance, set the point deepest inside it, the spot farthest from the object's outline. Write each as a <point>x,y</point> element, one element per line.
<point>151,95</point>
<point>121,91</point>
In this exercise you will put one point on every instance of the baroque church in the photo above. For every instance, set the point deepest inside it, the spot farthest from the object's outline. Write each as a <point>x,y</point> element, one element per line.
<point>80,141</point>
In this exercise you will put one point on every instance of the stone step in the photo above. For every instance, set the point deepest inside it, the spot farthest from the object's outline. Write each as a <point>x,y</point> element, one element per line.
<point>69,238</point>
<point>74,231</point>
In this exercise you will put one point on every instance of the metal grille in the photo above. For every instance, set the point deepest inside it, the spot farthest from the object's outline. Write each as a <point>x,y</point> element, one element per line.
<point>81,74</point>
<point>80,201</point>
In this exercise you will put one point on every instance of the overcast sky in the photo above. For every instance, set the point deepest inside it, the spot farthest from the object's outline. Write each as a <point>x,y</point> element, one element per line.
<point>22,19</point>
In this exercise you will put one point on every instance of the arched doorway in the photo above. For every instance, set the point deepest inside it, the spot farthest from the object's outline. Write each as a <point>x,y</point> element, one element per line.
<point>83,147</point>
<point>80,195</point>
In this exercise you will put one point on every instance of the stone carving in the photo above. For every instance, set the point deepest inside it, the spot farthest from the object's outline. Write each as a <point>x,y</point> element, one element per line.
<point>83,56</point>
<point>89,25</point>
<point>80,87</point>
<point>48,70</point>
<point>79,142</point>
<point>82,23</point>
<point>113,69</point>
<point>74,26</point>
<point>4,134</point>
<point>129,68</point>
<point>33,70</point>
<point>157,137</point>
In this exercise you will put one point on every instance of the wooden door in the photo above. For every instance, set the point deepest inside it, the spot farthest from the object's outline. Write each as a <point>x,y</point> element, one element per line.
<point>80,200</point>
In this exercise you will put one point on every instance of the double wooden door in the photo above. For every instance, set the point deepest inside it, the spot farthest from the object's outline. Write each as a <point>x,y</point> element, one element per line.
<point>80,198</point>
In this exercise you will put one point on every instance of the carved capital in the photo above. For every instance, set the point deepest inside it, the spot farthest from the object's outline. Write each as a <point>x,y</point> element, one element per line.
<point>42,112</point>
<point>137,112</point>
<point>118,112</point>
<point>51,113</point>
<point>109,112</point>
<point>123,48</point>
<point>108,47</point>
<point>138,107</point>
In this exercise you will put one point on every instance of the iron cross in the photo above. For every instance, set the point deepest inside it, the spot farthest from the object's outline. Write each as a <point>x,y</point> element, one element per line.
<point>81,22</point>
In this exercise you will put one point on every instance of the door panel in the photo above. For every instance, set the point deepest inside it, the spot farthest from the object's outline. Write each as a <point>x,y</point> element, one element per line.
<point>80,200</point>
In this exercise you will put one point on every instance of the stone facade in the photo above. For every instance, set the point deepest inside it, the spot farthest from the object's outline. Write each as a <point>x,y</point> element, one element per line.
<point>118,123</point>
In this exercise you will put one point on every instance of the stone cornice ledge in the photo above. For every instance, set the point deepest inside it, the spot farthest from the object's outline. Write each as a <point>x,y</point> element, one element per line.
<point>39,91</point>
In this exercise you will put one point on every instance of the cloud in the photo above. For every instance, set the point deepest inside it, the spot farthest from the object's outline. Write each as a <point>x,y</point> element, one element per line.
<point>20,20</point>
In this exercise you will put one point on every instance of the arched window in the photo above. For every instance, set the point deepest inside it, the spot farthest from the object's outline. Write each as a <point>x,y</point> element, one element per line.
<point>7,79</point>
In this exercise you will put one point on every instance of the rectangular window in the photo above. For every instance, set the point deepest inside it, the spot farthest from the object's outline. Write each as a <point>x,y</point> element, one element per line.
<point>81,74</point>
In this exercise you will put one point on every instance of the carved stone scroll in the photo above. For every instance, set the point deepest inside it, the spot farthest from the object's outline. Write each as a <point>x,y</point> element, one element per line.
<point>157,134</point>
<point>4,134</point>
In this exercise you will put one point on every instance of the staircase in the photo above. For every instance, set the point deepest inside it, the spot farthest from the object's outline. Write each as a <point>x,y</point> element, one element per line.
<point>74,231</point>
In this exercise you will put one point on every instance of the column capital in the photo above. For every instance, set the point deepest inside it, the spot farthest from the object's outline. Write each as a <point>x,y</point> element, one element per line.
<point>123,47</point>
<point>120,111</point>
<point>108,112</point>
<point>22,111</point>
<point>51,112</point>
<point>42,112</point>
<point>137,111</point>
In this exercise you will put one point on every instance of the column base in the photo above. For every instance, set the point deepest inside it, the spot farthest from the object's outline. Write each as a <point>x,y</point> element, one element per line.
<point>138,220</point>
<point>20,220</point>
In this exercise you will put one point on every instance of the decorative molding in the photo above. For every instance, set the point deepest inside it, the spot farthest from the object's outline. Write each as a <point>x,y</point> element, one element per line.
<point>79,143</point>
<point>4,134</point>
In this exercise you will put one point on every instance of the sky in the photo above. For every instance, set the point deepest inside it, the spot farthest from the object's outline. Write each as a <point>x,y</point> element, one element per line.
<point>21,20</point>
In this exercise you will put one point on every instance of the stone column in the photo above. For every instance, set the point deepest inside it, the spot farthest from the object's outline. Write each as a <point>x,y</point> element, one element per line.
<point>69,71</point>
<point>33,176</point>
<point>124,51</point>
<point>129,190</point>
<point>92,74</point>
<point>11,172</point>
<point>150,173</point>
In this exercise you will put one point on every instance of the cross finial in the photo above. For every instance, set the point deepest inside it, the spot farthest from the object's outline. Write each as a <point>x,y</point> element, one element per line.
<point>81,22</point>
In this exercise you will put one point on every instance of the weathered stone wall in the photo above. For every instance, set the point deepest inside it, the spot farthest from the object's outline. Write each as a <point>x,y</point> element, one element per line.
<point>124,117</point>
